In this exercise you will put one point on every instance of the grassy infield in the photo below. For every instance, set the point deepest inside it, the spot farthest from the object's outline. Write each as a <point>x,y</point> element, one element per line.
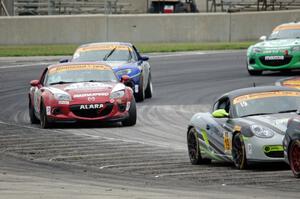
<point>50,50</point>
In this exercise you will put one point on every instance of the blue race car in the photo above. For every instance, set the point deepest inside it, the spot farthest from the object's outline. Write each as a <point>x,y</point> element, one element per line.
<point>125,59</point>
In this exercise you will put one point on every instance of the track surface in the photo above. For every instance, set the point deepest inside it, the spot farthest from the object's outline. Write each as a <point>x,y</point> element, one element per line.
<point>140,160</point>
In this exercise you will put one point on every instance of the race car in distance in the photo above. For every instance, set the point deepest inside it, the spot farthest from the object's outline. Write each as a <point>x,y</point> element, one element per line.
<point>280,51</point>
<point>291,145</point>
<point>245,126</point>
<point>80,91</point>
<point>124,59</point>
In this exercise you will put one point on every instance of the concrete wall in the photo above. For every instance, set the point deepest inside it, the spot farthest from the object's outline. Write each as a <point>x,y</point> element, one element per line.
<point>203,27</point>
<point>250,26</point>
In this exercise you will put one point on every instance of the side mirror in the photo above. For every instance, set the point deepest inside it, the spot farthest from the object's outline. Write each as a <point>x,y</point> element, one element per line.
<point>144,58</point>
<point>220,113</point>
<point>34,83</point>
<point>263,38</point>
<point>125,79</point>
<point>63,60</point>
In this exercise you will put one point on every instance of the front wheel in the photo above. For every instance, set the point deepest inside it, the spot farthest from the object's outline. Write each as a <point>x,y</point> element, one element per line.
<point>33,118</point>
<point>140,96</point>
<point>254,72</point>
<point>149,89</point>
<point>194,148</point>
<point>131,120</point>
<point>43,117</point>
<point>239,152</point>
<point>294,157</point>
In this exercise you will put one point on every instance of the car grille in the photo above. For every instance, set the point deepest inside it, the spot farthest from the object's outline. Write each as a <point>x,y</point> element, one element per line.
<point>92,113</point>
<point>286,60</point>
<point>275,154</point>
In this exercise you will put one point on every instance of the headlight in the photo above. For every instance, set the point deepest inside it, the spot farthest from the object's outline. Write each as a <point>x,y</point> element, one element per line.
<point>296,48</point>
<point>124,72</point>
<point>261,131</point>
<point>117,94</point>
<point>62,97</point>
<point>256,50</point>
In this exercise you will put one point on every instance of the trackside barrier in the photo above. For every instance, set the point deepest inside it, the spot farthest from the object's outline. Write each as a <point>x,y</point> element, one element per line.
<point>202,27</point>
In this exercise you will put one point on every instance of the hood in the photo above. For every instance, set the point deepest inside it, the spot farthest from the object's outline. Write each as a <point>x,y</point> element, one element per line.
<point>277,122</point>
<point>87,89</point>
<point>278,43</point>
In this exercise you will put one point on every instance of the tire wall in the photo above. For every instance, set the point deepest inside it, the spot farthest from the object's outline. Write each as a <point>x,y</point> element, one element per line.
<point>201,27</point>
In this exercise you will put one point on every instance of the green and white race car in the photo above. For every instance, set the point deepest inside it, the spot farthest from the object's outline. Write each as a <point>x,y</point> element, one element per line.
<point>280,51</point>
<point>245,126</point>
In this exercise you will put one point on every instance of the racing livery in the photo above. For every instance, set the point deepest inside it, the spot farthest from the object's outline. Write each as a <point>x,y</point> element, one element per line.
<point>245,126</point>
<point>80,91</point>
<point>280,51</point>
<point>124,59</point>
<point>291,145</point>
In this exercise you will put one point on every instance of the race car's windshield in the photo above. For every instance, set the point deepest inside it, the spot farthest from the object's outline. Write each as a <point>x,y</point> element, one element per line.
<point>103,54</point>
<point>266,103</point>
<point>285,34</point>
<point>80,73</point>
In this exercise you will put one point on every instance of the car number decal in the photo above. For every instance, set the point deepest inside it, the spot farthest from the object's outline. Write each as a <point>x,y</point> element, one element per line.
<point>227,145</point>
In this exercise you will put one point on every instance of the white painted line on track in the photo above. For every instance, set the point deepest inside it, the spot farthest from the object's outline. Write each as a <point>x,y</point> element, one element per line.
<point>151,55</point>
<point>190,53</point>
<point>26,65</point>
<point>176,174</point>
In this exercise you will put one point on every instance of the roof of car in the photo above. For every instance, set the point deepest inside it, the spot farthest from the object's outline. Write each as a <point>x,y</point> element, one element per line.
<point>259,89</point>
<point>106,43</point>
<point>288,26</point>
<point>78,63</point>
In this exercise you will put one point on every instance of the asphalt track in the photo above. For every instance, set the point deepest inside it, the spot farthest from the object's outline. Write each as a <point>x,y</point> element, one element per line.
<point>148,160</point>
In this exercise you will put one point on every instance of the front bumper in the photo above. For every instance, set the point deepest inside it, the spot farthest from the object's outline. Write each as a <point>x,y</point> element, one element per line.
<point>264,149</point>
<point>113,112</point>
<point>259,62</point>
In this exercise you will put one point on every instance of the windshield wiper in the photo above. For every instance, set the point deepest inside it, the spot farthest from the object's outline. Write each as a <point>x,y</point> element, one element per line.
<point>288,111</point>
<point>109,54</point>
<point>254,114</point>
<point>60,82</point>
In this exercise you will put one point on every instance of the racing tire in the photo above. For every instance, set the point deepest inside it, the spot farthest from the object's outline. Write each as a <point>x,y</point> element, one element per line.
<point>254,72</point>
<point>149,89</point>
<point>131,120</point>
<point>32,117</point>
<point>140,96</point>
<point>294,157</point>
<point>194,149</point>
<point>239,152</point>
<point>43,117</point>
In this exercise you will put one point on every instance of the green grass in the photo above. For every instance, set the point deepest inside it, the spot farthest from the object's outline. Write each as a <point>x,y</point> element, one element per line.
<point>52,50</point>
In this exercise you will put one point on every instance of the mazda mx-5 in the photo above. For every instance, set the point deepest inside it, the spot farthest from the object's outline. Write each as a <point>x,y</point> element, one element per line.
<point>80,91</point>
<point>125,59</point>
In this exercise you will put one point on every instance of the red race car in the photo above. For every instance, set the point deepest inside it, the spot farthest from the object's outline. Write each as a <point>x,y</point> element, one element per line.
<point>81,91</point>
